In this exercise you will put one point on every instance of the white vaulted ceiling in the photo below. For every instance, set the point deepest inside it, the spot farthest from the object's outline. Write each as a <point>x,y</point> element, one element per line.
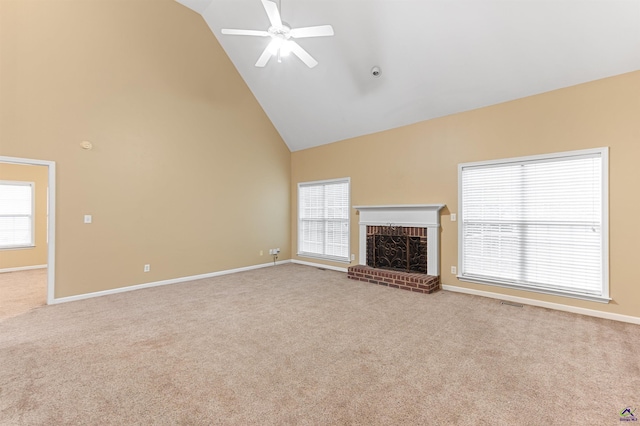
<point>438,57</point>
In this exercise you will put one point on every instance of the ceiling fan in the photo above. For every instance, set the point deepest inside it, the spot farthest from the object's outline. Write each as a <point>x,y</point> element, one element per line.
<point>281,34</point>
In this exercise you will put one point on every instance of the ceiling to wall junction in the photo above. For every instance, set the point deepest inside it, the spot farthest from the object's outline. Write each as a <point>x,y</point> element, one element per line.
<point>437,57</point>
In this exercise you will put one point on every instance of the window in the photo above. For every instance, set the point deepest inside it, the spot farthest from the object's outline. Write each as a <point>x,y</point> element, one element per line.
<point>323,219</point>
<point>16,214</point>
<point>537,223</point>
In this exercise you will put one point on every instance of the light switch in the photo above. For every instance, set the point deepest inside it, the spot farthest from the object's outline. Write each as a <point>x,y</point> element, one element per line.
<point>87,218</point>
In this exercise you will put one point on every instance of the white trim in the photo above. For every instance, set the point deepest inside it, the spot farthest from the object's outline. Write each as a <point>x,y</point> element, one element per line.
<point>396,223</point>
<point>412,215</point>
<point>402,206</point>
<point>603,153</point>
<point>32,216</point>
<point>17,248</point>
<point>542,304</point>
<point>51,218</point>
<point>327,258</point>
<point>22,268</point>
<point>553,292</point>
<point>326,181</point>
<point>319,265</point>
<point>346,259</point>
<point>163,282</point>
<point>592,152</point>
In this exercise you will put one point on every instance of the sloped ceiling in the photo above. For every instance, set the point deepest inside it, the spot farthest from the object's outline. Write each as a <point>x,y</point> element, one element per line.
<point>437,57</point>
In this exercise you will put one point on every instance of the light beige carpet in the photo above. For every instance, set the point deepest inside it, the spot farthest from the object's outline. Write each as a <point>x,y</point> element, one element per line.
<point>296,345</point>
<point>22,291</point>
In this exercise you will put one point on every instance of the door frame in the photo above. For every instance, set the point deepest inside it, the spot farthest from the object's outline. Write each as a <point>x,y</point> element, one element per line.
<point>51,218</point>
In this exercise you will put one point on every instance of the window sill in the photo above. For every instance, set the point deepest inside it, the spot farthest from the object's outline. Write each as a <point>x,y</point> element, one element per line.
<point>328,258</point>
<point>18,247</point>
<point>588,297</point>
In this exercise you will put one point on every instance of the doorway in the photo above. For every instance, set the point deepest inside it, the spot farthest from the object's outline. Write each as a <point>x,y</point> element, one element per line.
<point>27,264</point>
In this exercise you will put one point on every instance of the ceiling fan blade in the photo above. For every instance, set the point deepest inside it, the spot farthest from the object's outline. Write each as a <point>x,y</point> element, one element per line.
<point>264,58</point>
<point>244,32</point>
<point>319,31</point>
<point>302,54</point>
<point>272,13</point>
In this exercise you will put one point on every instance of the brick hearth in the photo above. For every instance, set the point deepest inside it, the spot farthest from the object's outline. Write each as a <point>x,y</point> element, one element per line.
<point>420,283</point>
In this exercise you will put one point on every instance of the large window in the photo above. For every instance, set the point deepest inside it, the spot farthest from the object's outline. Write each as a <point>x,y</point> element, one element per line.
<point>323,219</point>
<point>16,214</point>
<point>538,223</point>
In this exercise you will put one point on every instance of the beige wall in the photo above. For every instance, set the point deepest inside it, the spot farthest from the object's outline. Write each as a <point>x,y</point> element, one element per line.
<point>33,256</point>
<point>187,173</point>
<point>418,164</point>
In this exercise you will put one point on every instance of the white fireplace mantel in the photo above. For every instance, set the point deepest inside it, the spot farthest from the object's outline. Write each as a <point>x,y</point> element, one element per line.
<point>416,215</point>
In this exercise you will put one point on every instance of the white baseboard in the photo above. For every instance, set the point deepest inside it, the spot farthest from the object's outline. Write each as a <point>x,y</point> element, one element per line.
<point>542,304</point>
<point>319,265</point>
<point>164,282</point>
<point>22,268</point>
<point>523,300</point>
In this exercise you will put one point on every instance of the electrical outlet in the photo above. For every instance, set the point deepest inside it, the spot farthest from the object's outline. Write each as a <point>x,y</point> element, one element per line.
<point>261,252</point>
<point>88,218</point>
<point>454,270</point>
<point>147,267</point>
<point>277,251</point>
<point>353,256</point>
<point>454,217</point>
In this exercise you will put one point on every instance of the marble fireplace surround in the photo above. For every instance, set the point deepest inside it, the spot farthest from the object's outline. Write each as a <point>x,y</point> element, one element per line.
<point>410,215</point>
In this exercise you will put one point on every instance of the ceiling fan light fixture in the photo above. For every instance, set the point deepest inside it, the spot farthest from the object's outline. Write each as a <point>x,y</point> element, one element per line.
<point>279,47</point>
<point>285,48</point>
<point>274,45</point>
<point>280,33</point>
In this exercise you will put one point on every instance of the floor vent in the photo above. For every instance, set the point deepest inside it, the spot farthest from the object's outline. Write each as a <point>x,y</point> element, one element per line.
<point>517,305</point>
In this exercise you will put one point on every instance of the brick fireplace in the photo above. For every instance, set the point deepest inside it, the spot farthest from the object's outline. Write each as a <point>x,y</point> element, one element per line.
<point>399,247</point>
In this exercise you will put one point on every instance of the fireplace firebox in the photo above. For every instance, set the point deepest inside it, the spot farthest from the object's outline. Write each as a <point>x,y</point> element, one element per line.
<point>397,248</point>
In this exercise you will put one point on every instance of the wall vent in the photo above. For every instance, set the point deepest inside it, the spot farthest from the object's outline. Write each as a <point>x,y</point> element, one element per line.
<point>517,305</point>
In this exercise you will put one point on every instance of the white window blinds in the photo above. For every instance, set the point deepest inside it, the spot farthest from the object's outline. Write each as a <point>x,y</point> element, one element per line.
<point>323,219</point>
<point>16,214</point>
<point>536,223</point>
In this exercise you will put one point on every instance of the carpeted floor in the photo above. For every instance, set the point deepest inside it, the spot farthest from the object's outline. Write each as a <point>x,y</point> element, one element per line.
<point>297,345</point>
<point>22,291</point>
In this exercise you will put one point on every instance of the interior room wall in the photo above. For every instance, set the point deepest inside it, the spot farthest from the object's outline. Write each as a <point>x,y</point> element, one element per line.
<point>417,164</point>
<point>186,173</point>
<point>31,256</point>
